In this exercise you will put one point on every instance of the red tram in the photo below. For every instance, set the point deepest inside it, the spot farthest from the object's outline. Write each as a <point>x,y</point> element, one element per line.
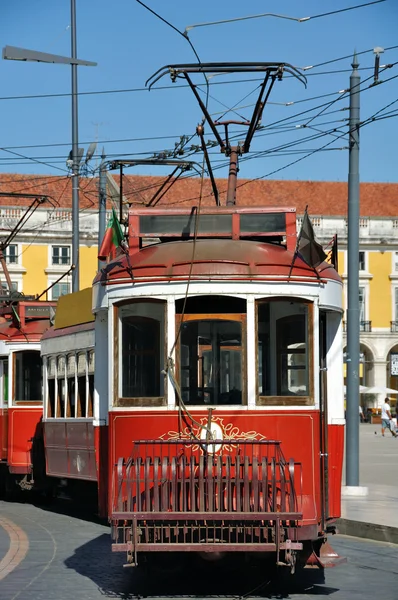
<point>22,325</point>
<point>203,395</point>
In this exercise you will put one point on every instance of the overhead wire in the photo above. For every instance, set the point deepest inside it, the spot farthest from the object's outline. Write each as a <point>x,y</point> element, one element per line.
<point>149,138</point>
<point>179,86</point>
<point>33,160</point>
<point>286,121</point>
<point>278,16</point>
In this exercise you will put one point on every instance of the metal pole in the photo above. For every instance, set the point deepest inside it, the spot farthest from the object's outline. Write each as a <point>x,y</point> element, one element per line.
<point>352,409</point>
<point>75,157</point>
<point>102,204</point>
<point>121,194</point>
<point>233,172</point>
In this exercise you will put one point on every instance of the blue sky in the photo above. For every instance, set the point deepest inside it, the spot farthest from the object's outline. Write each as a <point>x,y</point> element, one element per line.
<point>129,44</point>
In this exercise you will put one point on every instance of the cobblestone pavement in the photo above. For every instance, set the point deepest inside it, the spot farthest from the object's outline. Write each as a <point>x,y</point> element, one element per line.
<point>69,558</point>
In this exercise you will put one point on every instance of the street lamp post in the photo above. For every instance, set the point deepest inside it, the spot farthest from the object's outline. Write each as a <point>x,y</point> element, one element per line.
<point>13,53</point>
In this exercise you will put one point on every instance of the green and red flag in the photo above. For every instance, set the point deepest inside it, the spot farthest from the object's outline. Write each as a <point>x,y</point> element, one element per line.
<point>112,239</point>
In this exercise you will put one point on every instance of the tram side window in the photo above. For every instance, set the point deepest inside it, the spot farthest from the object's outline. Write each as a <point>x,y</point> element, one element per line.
<point>71,382</point>
<point>141,353</point>
<point>283,352</point>
<point>81,385</point>
<point>28,376</point>
<point>51,387</point>
<point>4,382</point>
<point>61,387</point>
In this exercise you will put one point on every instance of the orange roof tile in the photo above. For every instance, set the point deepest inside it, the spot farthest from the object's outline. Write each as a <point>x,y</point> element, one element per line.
<point>322,197</point>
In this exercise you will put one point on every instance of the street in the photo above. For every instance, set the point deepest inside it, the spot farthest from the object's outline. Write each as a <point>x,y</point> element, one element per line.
<point>378,456</point>
<point>66,555</point>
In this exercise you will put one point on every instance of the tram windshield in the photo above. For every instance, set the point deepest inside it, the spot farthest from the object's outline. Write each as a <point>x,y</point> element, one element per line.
<point>211,350</point>
<point>211,362</point>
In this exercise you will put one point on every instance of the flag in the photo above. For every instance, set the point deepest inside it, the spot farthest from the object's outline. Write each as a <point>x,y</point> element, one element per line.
<point>332,256</point>
<point>307,248</point>
<point>112,239</point>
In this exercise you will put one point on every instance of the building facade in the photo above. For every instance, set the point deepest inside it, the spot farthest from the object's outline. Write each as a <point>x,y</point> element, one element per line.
<point>39,257</point>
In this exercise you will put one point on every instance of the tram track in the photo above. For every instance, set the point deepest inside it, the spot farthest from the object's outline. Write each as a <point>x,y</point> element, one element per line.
<point>21,531</point>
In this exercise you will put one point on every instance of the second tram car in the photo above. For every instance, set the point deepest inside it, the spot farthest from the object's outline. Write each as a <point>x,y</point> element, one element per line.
<point>23,322</point>
<point>205,399</point>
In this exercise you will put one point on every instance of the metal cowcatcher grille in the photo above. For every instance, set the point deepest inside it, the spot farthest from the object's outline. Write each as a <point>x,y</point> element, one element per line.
<point>217,495</point>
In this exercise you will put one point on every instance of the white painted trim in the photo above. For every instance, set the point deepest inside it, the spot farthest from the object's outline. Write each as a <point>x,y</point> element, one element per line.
<point>251,351</point>
<point>315,353</point>
<point>171,337</point>
<point>238,408</point>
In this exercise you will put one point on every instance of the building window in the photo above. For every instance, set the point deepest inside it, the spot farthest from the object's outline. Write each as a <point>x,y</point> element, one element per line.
<point>396,304</point>
<point>14,287</point>
<point>395,261</point>
<point>11,254</point>
<point>60,289</point>
<point>61,255</point>
<point>362,266</point>
<point>362,307</point>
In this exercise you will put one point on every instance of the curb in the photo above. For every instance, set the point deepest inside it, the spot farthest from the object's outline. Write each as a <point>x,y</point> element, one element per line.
<point>369,531</point>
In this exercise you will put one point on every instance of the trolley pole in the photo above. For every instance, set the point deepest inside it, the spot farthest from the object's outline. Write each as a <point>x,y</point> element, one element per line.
<point>352,408</point>
<point>102,204</point>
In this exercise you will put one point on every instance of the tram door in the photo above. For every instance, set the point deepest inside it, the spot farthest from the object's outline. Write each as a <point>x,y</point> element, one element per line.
<point>323,409</point>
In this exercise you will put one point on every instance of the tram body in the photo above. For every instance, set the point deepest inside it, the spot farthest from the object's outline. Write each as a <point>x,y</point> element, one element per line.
<point>21,403</point>
<point>215,385</point>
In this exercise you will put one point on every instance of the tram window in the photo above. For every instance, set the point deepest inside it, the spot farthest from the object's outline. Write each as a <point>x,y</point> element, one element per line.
<point>283,351</point>
<point>61,399</point>
<point>211,360</point>
<point>81,385</point>
<point>4,382</point>
<point>90,404</point>
<point>81,397</point>
<point>51,387</point>
<point>71,371</point>
<point>141,353</point>
<point>61,392</point>
<point>51,398</point>
<point>28,376</point>
<point>70,411</point>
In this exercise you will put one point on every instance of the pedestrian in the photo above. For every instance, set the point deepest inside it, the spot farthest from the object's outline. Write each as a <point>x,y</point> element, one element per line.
<point>386,418</point>
<point>361,417</point>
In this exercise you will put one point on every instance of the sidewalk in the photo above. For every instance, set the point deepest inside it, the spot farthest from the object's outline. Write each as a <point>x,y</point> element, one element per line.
<point>374,516</point>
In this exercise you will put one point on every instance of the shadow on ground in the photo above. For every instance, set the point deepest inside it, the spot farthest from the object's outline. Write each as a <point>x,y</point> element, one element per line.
<point>184,575</point>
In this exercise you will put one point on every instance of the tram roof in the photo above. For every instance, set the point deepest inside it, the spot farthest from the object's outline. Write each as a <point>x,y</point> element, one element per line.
<point>31,331</point>
<point>205,259</point>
